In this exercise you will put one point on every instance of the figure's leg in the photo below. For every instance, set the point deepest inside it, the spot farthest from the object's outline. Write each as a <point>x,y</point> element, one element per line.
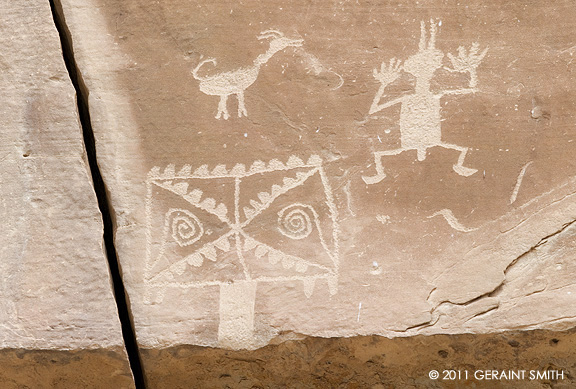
<point>222,110</point>
<point>241,106</point>
<point>380,175</point>
<point>421,154</point>
<point>458,168</point>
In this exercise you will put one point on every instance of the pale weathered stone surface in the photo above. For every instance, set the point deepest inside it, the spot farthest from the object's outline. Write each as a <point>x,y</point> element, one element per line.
<point>392,229</point>
<point>55,286</point>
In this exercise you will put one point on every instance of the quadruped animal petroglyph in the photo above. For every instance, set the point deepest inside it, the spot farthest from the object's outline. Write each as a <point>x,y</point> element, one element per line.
<point>236,81</point>
<point>420,118</point>
<point>234,228</point>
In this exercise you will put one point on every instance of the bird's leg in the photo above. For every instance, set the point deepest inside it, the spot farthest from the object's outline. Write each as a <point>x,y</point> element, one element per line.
<point>222,110</point>
<point>241,107</point>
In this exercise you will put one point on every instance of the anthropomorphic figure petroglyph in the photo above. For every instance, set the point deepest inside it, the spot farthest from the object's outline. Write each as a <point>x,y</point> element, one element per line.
<point>236,81</point>
<point>420,119</point>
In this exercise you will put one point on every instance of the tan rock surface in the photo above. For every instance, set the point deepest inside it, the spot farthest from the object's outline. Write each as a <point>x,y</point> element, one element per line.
<point>56,294</point>
<point>414,159</point>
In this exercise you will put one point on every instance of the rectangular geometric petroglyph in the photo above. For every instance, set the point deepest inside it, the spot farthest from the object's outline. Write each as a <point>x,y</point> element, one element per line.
<point>208,231</point>
<point>212,227</point>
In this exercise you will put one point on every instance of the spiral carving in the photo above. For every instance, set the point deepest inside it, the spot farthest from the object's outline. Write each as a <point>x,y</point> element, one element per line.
<point>296,221</point>
<point>185,226</point>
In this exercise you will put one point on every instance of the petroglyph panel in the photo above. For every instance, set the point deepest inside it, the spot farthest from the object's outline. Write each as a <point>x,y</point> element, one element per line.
<point>443,143</point>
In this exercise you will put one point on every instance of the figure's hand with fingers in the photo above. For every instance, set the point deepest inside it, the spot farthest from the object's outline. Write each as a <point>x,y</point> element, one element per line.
<point>467,62</point>
<point>390,73</point>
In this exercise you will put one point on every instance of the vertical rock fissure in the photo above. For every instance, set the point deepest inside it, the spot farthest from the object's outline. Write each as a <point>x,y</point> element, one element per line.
<point>121,298</point>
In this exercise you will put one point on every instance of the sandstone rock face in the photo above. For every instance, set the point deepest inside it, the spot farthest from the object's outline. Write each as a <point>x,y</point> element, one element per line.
<point>280,169</point>
<point>56,296</point>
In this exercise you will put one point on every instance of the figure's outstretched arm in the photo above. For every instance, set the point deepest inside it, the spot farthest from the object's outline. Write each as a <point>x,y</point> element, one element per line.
<point>461,91</point>
<point>375,107</point>
<point>386,76</point>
